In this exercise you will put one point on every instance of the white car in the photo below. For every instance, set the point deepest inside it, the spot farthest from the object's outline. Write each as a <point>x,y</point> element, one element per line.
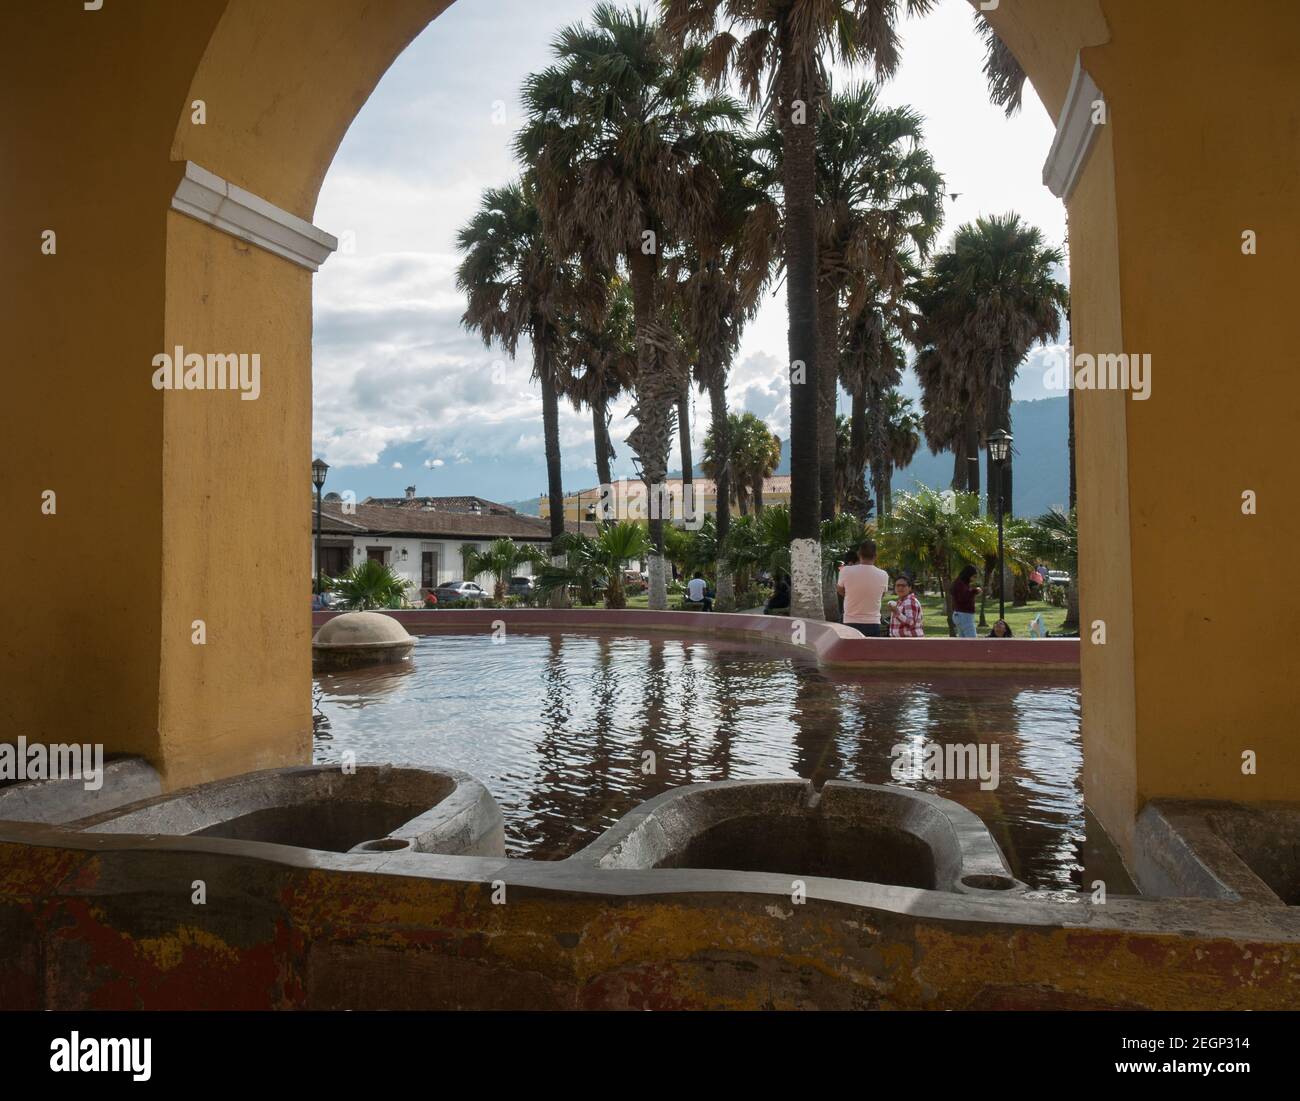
<point>1058,577</point>
<point>450,591</point>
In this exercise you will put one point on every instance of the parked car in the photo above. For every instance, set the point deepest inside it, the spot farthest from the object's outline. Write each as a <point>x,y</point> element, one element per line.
<point>521,586</point>
<point>1058,577</point>
<point>450,591</point>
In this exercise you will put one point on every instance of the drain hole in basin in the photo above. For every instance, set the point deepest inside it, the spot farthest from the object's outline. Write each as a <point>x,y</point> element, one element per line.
<point>383,845</point>
<point>988,882</point>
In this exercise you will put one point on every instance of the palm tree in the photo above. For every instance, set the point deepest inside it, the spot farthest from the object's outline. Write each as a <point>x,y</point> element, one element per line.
<point>717,282</point>
<point>753,455</point>
<point>601,560</point>
<point>949,407</point>
<point>848,497</point>
<point>778,56</point>
<point>903,439</point>
<point>501,559</point>
<point>517,286</point>
<point>624,149</point>
<point>880,204</point>
<point>370,584</point>
<point>989,298</point>
<point>601,364</point>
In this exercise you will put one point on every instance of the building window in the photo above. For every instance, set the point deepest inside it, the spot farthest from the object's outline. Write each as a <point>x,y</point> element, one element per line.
<point>429,569</point>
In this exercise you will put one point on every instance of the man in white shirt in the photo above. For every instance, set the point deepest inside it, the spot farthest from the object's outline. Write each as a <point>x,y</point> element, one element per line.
<point>697,591</point>
<point>863,586</point>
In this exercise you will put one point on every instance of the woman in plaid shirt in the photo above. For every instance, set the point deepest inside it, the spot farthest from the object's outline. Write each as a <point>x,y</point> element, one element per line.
<point>905,612</point>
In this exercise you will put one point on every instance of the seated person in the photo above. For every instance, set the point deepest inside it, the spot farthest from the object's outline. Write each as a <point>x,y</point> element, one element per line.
<point>779,602</point>
<point>697,591</point>
<point>1001,629</point>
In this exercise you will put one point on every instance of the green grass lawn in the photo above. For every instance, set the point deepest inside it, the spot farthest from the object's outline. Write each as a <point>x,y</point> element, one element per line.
<point>932,605</point>
<point>1017,618</point>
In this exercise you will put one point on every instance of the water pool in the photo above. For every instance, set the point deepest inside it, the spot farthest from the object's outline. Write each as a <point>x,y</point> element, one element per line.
<point>559,725</point>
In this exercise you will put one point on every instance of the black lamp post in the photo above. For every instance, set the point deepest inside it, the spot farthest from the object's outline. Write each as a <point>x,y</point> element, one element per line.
<point>319,468</point>
<point>999,445</point>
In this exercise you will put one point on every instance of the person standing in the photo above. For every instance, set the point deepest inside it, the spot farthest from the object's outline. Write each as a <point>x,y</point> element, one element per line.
<point>850,559</point>
<point>862,585</point>
<point>963,603</point>
<point>905,614</point>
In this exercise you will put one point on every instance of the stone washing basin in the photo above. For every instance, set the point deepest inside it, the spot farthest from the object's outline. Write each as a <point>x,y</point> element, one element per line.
<point>866,832</point>
<point>376,808</point>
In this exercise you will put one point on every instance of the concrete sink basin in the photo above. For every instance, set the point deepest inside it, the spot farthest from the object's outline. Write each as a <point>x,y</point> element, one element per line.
<point>376,808</point>
<point>866,832</point>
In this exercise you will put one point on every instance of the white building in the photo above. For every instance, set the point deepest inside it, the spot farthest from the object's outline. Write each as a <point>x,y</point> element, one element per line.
<point>422,544</point>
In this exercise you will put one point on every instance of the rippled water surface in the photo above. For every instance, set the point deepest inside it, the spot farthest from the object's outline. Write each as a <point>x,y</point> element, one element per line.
<point>557,726</point>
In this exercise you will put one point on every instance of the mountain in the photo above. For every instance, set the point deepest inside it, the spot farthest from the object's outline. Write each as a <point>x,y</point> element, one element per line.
<point>1041,447</point>
<point>1041,431</point>
<point>1042,473</point>
<point>529,506</point>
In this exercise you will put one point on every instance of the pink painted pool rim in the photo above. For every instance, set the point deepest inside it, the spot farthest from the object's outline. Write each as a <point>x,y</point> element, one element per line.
<point>833,643</point>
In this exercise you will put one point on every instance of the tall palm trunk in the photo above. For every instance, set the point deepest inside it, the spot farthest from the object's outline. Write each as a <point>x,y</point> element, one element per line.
<point>998,415</point>
<point>878,435</point>
<point>1008,468</point>
<point>600,433</point>
<point>1071,624</point>
<point>858,454</point>
<point>827,376</point>
<point>799,171</point>
<point>656,391</point>
<point>684,435</point>
<point>958,468</point>
<point>971,452</point>
<point>688,502</point>
<point>757,494</point>
<point>721,426</point>
<point>551,436</point>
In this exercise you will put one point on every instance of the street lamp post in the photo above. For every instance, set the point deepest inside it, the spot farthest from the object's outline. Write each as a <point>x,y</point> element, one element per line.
<point>319,468</point>
<point>999,445</point>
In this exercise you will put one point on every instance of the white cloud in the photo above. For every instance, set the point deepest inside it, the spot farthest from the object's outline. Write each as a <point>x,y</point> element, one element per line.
<point>398,378</point>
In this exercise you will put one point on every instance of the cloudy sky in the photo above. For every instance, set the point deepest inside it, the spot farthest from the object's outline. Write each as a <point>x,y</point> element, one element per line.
<point>404,395</point>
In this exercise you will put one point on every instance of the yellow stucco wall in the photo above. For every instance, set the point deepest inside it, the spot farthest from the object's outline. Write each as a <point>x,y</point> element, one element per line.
<point>1205,121</point>
<point>232,514</point>
<point>1198,664</point>
<point>89,113</point>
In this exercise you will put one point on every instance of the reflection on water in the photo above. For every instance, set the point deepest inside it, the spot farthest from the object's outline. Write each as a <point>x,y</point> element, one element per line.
<point>561,727</point>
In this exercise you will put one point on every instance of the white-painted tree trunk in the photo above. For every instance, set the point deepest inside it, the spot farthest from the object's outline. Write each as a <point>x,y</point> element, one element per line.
<point>560,596</point>
<point>806,579</point>
<point>655,565</point>
<point>830,600</point>
<point>725,589</point>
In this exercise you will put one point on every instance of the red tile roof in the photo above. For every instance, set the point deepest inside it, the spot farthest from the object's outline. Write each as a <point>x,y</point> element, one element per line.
<point>371,519</point>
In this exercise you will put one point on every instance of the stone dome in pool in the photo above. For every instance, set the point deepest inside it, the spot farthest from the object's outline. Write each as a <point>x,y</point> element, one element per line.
<point>360,638</point>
